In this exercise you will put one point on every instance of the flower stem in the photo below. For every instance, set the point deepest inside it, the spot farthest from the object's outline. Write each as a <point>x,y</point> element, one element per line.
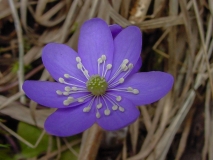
<point>90,143</point>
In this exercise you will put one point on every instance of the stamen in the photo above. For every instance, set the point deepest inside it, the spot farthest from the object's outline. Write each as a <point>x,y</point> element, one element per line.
<point>99,62</point>
<point>67,88</point>
<point>125,61</point>
<point>81,67</point>
<point>103,57</point>
<point>121,109</point>
<point>88,108</point>
<point>128,89</point>
<point>135,91</point>
<point>108,67</point>
<point>98,115</point>
<point>115,106</point>
<point>66,93</point>
<point>99,105</point>
<point>59,92</point>
<point>78,59</point>
<point>68,76</point>
<point>66,102</point>
<point>70,99</point>
<point>122,68</point>
<point>61,80</point>
<point>81,99</point>
<point>120,81</point>
<point>118,98</point>
<point>107,112</point>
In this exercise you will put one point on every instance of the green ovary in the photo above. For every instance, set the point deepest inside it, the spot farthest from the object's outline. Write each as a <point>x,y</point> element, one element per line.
<point>97,85</point>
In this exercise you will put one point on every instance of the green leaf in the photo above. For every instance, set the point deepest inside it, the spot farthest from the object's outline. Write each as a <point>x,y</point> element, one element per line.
<point>31,134</point>
<point>5,155</point>
<point>69,155</point>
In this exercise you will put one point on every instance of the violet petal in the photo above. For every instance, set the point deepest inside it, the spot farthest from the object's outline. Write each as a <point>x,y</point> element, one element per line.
<point>70,121</point>
<point>60,59</point>
<point>95,40</point>
<point>127,46</point>
<point>117,119</point>
<point>44,93</point>
<point>152,86</point>
<point>115,29</point>
<point>137,66</point>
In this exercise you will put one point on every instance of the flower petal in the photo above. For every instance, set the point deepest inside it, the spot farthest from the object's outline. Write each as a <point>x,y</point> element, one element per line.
<point>115,29</point>
<point>60,59</point>
<point>137,66</point>
<point>127,45</point>
<point>117,119</point>
<point>70,121</point>
<point>95,40</point>
<point>152,86</point>
<point>44,93</point>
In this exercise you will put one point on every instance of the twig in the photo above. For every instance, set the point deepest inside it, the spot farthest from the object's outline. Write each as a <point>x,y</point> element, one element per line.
<point>21,46</point>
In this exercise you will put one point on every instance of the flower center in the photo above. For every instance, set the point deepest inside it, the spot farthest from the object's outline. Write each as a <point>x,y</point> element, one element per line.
<point>97,85</point>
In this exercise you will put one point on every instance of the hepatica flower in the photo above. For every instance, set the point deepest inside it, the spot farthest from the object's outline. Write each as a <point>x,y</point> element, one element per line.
<point>100,83</point>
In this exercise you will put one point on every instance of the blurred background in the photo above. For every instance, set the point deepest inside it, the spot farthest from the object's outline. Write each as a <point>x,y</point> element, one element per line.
<point>177,38</point>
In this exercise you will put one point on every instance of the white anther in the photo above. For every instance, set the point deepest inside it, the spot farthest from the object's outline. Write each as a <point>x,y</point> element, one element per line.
<point>80,100</point>
<point>66,75</point>
<point>78,59</point>
<point>123,66</point>
<point>109,66</point>
<point>79,66</point>
<point>74,88</point>
<point>121,109</point>
<point>61,80</point>
<point>121,80</point>
<point>65,93</point>
<point>130,66</point>
<point>103,57</point>
<point>107,112</point>
<point>98,115</point>
<point>125,69</point>
<point>99,105</point>
<point>135,91</point>
<point>67,88</point>
<point>66,102</point>
<point>114,107</point>
<point>86,109</point>
<point>100,60</point>
<point>70,99</point>
<point>129,89</point>
<point>118,98</point>
<point>59,92</point>
<point>125,61</point>
<point>86,72</point>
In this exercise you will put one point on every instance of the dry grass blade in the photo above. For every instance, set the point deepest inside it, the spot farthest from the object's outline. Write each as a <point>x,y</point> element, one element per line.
<point>21,46</point>
<point>207,122</point>
<point>62,149</point>
<point>21,138</point>
<point>185,134</point>
<point>203,43</point>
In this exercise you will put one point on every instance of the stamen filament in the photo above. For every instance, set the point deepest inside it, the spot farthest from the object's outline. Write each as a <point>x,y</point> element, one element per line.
<point>69,76</point>
<point>115,105</point>
<point>61,80</point>
<point>106,111</point>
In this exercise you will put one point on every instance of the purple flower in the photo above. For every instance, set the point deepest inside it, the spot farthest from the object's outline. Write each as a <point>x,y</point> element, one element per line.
<point>99,84</point>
